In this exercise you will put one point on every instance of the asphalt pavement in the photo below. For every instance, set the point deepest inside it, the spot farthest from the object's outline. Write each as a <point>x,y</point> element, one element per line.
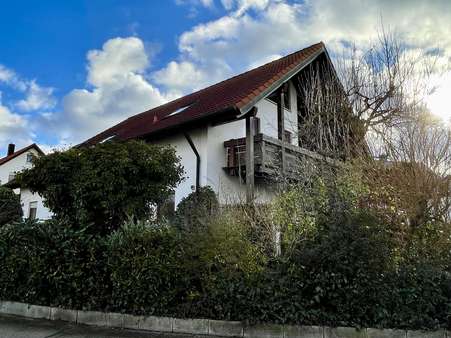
<point>15,327</point>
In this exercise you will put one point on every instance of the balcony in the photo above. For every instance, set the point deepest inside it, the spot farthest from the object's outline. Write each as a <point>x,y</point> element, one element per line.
<point>268,157</point>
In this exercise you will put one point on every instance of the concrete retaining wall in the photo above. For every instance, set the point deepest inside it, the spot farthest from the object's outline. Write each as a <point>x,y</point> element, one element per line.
<point>204,326</point>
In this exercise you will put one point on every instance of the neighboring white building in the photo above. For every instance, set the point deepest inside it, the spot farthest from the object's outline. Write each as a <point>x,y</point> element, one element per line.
<point>212,129</point>
<point>14,162</point>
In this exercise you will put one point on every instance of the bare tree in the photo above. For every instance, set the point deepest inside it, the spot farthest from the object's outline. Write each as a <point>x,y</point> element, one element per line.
<point>418,159</point>
<point>325,117</point>
<point>370,90</point>
<point>386,81</point>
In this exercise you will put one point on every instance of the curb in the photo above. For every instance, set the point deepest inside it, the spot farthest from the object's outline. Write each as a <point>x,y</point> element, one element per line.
<point>207,327</point>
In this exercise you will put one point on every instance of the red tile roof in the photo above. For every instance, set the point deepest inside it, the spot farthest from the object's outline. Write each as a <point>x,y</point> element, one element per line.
<point>20,152</point>
<point>235,96</point>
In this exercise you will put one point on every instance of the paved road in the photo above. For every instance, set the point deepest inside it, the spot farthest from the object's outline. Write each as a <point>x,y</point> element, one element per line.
<point>14,327</point>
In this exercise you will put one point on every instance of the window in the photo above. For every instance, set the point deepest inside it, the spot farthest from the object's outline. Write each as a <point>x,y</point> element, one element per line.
<point>29,157</point>
<point>178,111</point>
<point>33,210</point>
<point>275,97</point>
<point>109,138</point>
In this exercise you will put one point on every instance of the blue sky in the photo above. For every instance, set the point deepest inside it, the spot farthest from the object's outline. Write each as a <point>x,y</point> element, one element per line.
<point>50,39</point>
<point>69,69</point>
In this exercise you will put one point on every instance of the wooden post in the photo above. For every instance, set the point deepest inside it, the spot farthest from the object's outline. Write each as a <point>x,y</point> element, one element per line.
<point>281,126</point>
<point>277,241</point>
<point>250,158</point>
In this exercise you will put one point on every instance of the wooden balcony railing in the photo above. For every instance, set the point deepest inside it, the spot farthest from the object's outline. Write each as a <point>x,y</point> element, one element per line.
<point>268,156</point>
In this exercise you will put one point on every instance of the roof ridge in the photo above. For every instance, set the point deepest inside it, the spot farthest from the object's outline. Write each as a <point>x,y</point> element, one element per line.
<point>261,66</point>
<point>20,152</point>
<point>228,79</point>
<point>226,96</point>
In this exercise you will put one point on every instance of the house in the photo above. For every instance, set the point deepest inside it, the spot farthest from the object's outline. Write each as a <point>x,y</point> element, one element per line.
<point>14,162</point>
<point>234,135</point>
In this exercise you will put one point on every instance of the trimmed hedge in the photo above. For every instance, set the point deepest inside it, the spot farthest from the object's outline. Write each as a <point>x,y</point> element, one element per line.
<point>141,269</point>
<point>145,270</point>
<point>46,263</point>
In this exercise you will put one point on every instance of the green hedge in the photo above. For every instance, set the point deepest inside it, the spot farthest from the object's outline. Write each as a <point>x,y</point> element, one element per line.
<point>10,207</point>
<point>145,269</point>
<point>156,270</point>
<point>46,263</point>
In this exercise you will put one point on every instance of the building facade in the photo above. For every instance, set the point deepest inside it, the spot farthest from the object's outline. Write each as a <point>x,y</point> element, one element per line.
<point>15,162</point>
<point>234,135</point>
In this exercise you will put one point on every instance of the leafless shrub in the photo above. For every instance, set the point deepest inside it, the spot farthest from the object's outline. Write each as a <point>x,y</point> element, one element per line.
<point>368,92</point>
<point>417,162</point>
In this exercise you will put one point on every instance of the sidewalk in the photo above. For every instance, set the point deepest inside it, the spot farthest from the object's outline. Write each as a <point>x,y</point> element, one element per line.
<point>15,327</point>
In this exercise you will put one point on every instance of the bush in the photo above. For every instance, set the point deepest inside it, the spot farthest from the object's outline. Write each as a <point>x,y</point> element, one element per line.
<point>105,184</point>
<point>146,267</point>
<point>340,264</point>
<point>225,244</point>
<point>46,263</point>
<point>342,269</point>
<point>10,208</point>
<point>321,198</point>
<point>196,209</point>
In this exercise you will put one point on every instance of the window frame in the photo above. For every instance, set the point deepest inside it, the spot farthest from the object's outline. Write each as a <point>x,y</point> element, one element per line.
<point>32,210</point>
<point>29,158</point>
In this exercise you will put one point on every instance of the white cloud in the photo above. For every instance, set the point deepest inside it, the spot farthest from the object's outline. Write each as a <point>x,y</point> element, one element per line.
<point>420,23</point>
<point>117,59</point>
<point>6,75</point>
<point>264,60</point>
<point>177,75</point>
<point>241,6</point>
<point>204,3</point>
<point>207,3</point>
<point>13,128</point>
<point>236,43</point>
<point>37,98</point>
<point>252,33</point>
<point>10,78</point>
<point>255,31</point>
<point>117,89</point>
<point>228,4</point>
<point>183,77</point>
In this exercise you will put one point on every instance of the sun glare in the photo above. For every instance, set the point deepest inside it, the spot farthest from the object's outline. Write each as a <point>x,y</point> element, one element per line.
<point>439,102</point>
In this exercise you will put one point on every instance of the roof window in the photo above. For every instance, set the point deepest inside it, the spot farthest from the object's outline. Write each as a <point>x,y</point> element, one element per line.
<point>109,138</point>
<point>178,111</point>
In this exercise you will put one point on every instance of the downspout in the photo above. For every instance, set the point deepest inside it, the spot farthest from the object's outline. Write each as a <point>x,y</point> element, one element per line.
<point>193,147</point>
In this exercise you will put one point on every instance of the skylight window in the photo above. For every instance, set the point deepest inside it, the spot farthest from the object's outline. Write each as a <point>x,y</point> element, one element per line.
<point>178,111</point>
<point>109,138</point>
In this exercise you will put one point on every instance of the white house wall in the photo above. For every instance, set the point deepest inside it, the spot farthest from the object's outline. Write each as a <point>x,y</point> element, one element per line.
<point>228,188</point>
<point>291,116</point>
<point>26,197</point>
<point>267,112</point>
<point>188,159</point>
<point>209,142</point>
<point>15,165</point>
